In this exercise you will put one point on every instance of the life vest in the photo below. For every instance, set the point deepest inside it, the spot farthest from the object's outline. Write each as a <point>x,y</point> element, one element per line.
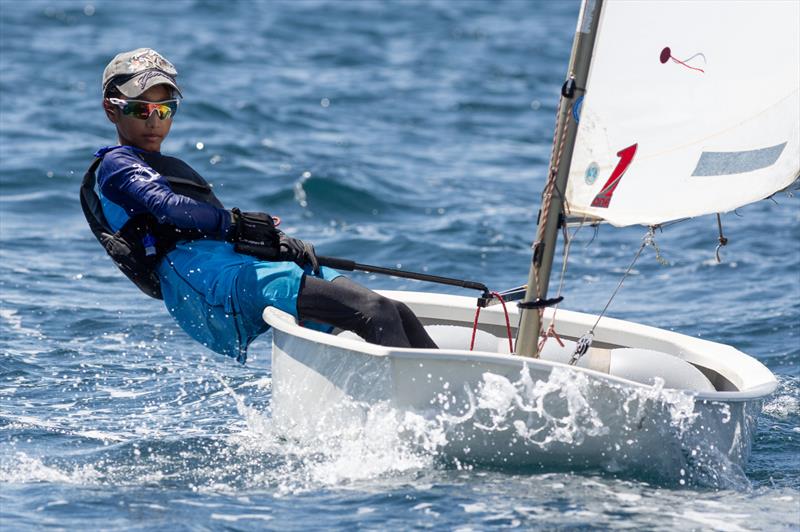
<point>140,244</point>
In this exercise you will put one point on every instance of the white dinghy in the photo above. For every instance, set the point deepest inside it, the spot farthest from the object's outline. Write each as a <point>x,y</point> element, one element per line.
<point>669,111</point>
<point>505,409</point>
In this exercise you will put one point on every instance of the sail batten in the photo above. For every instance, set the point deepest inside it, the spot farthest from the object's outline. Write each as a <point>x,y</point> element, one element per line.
<point>691,108</point>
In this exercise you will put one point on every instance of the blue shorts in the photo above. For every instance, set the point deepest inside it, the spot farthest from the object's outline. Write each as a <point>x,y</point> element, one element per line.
<point>217,295</point>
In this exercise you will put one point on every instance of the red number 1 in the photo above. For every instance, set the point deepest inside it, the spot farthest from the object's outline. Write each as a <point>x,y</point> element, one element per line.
<point>603,197</point>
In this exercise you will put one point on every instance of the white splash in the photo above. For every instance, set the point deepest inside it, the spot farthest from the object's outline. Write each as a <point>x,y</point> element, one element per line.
<point>783,407</point>
<point>354,441</point>
<point>547,420</point>
<point>22,468</point>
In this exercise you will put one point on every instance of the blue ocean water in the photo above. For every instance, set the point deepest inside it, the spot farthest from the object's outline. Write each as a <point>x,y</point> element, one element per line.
<point>408,134</point>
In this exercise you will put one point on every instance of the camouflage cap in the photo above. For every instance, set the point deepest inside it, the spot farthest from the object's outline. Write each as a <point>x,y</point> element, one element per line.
<point>136,71</point>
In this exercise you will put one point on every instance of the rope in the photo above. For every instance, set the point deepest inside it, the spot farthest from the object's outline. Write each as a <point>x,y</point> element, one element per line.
<point>551,331</point>
<point>648,240</point>
<point>585,342</point>
<point>474,329</point>
<point>555,156</point>
<point>688,66</point>
<point>508,324</point>
<point>565,256</point>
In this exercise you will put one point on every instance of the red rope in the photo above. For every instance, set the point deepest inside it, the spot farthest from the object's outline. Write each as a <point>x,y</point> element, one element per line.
<point>508,324</point>
<point>551,331</point>
<point>687,66</point>
<point>474,328</point>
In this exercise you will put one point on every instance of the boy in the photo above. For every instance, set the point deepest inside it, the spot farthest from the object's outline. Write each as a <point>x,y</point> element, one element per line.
<point>215,269</point>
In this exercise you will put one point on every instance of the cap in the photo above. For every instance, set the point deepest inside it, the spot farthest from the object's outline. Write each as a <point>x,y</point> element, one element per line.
<point>136,71</point>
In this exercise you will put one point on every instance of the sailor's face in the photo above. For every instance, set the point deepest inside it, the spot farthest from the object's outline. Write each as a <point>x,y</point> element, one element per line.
<point>145,134</point>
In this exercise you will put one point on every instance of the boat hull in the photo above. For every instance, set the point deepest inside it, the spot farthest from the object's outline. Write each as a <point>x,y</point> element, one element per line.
<point>506,410</point>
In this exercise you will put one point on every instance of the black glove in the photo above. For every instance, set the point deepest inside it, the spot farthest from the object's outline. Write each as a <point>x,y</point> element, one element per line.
<point>254,233</point>
<point>297,251</point>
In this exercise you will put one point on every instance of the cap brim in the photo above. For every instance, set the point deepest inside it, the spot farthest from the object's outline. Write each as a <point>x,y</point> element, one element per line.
<point>135,86</point>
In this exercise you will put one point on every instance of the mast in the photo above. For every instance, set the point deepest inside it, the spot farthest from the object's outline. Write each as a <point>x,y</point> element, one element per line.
<point>553,194</point>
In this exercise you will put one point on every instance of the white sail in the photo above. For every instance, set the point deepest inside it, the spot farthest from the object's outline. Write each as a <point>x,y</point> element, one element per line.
<point>690,108</point>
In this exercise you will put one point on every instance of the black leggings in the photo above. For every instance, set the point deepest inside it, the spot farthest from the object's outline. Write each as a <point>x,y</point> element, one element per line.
<point>350,306</point>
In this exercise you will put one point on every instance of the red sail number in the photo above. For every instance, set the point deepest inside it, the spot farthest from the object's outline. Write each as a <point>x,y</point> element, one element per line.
<point>603,197</point>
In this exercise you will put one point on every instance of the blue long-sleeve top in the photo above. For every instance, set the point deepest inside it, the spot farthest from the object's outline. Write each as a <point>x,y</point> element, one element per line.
<point>129,186</point>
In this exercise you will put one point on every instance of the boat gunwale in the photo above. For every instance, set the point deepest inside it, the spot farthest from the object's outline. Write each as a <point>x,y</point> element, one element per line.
<point>285,323</point>
<point>742,370</point>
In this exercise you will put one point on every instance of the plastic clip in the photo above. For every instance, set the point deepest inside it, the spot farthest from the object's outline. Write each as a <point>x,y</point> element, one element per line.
<point>568,89</point>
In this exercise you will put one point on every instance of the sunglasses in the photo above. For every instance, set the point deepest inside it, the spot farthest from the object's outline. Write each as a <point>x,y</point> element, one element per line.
<point>142,110</point>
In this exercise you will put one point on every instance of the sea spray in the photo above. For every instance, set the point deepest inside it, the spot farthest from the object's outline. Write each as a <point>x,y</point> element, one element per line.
<point>502,423</point>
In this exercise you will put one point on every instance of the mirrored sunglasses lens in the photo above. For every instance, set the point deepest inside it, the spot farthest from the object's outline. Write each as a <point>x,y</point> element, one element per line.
<point>143,110</point>
<point>168,109</point>
<point>137,110</point>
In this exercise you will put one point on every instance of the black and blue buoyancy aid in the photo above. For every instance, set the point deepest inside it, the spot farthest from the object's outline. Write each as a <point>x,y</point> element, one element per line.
<point>142,241</point>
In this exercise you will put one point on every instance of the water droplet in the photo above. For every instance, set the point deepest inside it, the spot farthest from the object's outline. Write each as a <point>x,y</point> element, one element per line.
<point>325,102</point>
<point>535,105</point>
<point>300,194</point>
<point>199,145</point>
<point>88,10</point>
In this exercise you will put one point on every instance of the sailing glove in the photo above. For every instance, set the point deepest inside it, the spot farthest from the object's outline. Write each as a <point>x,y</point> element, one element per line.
<point>297,251</point>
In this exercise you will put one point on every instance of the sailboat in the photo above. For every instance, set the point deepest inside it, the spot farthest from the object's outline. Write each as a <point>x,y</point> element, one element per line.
<point>669,111</point>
